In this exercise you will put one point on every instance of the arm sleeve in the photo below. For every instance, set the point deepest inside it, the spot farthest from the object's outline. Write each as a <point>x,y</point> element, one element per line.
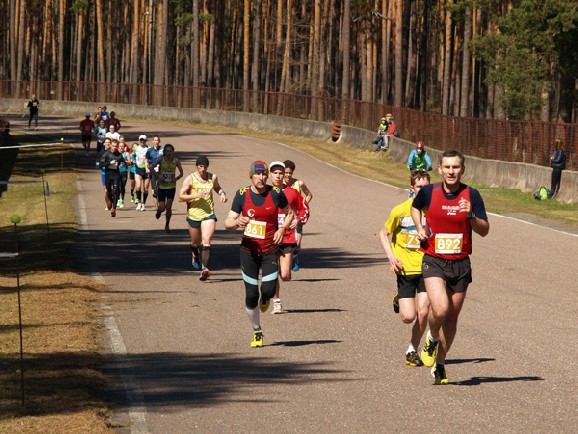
<point>423,198</point>
<point>410,159</point>
<point>478,207</point>
<point>238,202</point>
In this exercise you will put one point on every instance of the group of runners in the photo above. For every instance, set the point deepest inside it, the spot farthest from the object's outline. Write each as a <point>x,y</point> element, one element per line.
<point>428,240</point>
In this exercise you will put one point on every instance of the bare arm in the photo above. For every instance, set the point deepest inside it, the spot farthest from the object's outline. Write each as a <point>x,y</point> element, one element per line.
<point>416,217</point>
<point>306,191</point>
<point>394,262</point>
<point>217,187</point>
<point>479,226</point>
<point>234,220</point>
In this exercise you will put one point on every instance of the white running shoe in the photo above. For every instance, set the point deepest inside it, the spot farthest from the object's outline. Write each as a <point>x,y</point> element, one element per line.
<point>142,206</point>
<point>277,307</point>
<point>138,206</point>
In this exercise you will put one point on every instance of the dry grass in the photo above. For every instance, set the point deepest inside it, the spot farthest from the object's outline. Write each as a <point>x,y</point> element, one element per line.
<point>61,333</point>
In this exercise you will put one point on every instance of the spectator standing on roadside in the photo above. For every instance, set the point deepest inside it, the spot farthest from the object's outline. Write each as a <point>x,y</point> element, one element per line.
<point>33,105</point>
<point>558,163</point>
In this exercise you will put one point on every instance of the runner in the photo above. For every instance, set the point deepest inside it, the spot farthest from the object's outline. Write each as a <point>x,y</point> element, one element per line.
<point>132,172</point>
<point>123,172</point>
<point>111,160</point>
<point>112,134</point>
<point>197,192</point>
<point>254,210</point>
<point>300,186</point>
<point>33,106</point>
<point>86,128</point>
<point>142,176</point>
<point>167,183</point>
<point>100,133</point>
<point>105,147</point>
<point>405,260</point>
<point>452,211</point>
<point>152,156</point>
<point>301,212</point>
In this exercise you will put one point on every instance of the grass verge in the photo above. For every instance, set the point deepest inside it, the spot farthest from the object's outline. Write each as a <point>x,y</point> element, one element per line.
<point>61,332</point>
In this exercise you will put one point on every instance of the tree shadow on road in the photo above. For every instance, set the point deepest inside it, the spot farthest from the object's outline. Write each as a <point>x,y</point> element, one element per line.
<point>173,380</point>
<point>302,343</point>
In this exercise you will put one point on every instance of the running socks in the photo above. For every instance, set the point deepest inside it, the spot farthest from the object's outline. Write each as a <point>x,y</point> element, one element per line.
<point>206,256</point>
<point>410,349</point>
<point>145,195</point>
<point>139,195</point>
<point>429,336</point>
<point>195,250</point>
<point>254,317</point>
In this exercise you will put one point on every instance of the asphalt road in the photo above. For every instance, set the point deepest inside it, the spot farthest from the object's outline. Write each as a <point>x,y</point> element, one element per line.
<point>335,361</point>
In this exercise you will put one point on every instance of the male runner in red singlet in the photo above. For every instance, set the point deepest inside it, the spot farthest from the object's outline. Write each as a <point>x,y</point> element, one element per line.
<point>301,211</point>
<point>254,210</point>
<point>452,211</point>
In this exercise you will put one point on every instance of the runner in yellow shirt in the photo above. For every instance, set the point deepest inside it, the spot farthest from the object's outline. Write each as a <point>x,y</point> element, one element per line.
<point>197,192</point>
<point>405,257</point>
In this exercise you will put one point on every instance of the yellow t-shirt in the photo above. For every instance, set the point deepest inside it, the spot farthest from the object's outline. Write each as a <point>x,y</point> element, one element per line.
<point>167,174</point>
<point>201,208</point>
<point>404,242</point>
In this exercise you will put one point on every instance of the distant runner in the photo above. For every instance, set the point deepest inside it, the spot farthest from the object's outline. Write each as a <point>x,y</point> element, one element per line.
<point>86,128</point>
<point>167,183</point>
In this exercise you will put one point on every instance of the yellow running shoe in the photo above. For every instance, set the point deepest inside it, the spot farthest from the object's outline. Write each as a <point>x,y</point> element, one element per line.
<point>257,340</point>
<point>439,373</point>
<point>264,306</point>
<point>429,353</point>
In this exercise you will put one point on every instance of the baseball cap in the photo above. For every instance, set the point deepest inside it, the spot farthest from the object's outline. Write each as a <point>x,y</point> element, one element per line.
<point>87,115</point>
<point>420,145</point>
<point>142,137</point>
<point>276,163</point>
<point>258,167</point>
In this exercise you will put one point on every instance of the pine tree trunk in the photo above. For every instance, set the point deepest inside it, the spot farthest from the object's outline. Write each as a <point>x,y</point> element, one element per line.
<point>196,94</point>
<point>346,49</point>
<point>246,45</point>
<point>466,66</point>
<point>398,79</point>
<point>255,67</point>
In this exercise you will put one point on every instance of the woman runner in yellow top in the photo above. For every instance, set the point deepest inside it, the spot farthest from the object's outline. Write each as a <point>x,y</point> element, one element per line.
<point>167,182</point>
<point>197,192</point>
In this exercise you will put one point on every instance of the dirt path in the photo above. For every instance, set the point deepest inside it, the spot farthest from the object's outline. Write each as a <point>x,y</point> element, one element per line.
<point>335,361</point>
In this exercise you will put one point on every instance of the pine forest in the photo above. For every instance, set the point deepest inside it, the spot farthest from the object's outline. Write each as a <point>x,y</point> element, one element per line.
<point>493,59</point>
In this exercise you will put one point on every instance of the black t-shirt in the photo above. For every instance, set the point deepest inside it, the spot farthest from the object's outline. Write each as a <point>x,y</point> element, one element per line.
<point>33,105</point>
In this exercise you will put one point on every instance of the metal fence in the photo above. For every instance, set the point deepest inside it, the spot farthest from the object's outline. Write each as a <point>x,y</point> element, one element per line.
<point>506,140</point>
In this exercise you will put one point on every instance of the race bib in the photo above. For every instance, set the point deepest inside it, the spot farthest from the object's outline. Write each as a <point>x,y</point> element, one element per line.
<point>255,229</point>
<point>409,240</point>
<point>449,243</point>
<point>87,128</point>
<point>140,159</point>
<point>168,176</point>
<point>280,219</point>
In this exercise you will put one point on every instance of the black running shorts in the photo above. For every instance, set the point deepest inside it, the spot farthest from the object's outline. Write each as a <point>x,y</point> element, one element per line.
<point>408,285</point>
<point>457,274</point>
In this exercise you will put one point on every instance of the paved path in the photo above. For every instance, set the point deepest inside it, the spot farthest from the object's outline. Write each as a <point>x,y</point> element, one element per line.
<point>335,361</point>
